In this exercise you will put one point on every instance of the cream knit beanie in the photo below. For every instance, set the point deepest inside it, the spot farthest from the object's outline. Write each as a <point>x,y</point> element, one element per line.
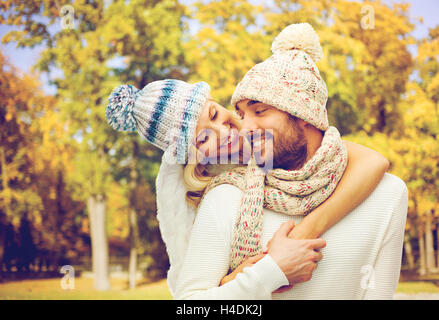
<point>289,79</point>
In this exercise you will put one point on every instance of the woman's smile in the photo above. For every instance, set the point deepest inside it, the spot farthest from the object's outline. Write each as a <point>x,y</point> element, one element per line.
<point>230,140</point>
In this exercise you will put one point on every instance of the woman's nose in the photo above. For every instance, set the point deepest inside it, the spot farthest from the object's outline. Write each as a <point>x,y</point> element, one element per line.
<point>219,127</point>
<point>248,123</point>
<point>223,122</point>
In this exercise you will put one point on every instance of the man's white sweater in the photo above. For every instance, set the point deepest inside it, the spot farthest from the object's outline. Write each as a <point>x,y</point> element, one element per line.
<point>361,260</point>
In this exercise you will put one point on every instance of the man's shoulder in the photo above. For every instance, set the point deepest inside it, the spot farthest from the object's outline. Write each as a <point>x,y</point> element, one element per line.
<point>390,192</point>
<point>385,206</point>
<point>394,183</point>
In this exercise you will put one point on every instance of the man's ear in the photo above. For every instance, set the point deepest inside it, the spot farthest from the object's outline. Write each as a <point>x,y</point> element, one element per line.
<point>308,127</point>
<point>303,124</point>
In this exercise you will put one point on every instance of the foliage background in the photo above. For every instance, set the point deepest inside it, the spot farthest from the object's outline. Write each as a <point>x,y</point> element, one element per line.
<point>59,158</point>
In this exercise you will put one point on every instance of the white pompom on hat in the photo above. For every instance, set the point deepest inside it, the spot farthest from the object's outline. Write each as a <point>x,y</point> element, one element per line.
<point>300,36</point>
<point>289,79</point>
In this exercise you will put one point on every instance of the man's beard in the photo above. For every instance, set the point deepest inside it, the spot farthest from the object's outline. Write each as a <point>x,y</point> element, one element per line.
<point>290,147</point>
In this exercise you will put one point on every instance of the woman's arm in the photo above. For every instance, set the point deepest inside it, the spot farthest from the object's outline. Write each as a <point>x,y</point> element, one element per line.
<point>364,171</point>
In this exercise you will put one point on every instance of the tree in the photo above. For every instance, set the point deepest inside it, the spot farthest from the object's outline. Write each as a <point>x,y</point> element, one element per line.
<point>20,102</point>
<point>366,71</point>
<point>35,155</point>
<point>229,42</point>
<point>379,96</point>
<point>145,36</point>
<point>427,119</point>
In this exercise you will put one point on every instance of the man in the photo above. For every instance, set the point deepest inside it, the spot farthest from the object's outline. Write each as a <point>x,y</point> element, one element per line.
<point>286,94</point>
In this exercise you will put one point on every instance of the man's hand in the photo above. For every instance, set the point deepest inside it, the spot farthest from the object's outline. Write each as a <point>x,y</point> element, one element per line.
<point>296,258</point>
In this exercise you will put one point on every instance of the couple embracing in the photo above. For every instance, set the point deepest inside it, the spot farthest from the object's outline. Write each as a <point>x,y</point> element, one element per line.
<point>291,195</point>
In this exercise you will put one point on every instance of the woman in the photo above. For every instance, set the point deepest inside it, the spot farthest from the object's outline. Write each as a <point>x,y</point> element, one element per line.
<point>171,114</point>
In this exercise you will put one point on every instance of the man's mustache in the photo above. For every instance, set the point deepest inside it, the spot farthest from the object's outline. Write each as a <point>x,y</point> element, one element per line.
<point>255,135</point>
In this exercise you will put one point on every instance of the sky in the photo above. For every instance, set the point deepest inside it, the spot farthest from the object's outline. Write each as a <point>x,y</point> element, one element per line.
<point>24,59</point>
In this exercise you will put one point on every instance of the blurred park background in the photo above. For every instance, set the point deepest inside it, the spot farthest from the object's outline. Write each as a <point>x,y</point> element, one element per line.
<point>75,192</point>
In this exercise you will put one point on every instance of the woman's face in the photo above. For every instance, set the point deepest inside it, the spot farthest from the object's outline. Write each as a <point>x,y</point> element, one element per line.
<point>217,133</point>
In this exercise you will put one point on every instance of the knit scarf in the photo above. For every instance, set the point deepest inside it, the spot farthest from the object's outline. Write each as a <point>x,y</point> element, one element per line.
<point>292,192</point>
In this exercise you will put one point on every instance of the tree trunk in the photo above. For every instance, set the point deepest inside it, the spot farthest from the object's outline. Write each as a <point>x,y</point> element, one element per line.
<point>437,244</point>
<point>409,252</point>
<point>381,121</point>
<point>132,268</point>
<point>5,182</point>
<point>7,211</point>
<point>2,243</point>
<point>421,254</point>
<point>429,246</point>
<point>133,250</point>
<point>99,244</point>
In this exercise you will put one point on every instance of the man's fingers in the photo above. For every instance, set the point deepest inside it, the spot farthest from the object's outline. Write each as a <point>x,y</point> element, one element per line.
<point>268,244</point>
<point>318,256</point>
<point>283,289</point>
<point>285,228</point>
<point>317,243</point>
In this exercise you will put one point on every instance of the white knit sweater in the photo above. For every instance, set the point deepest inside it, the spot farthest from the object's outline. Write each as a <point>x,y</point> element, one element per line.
<point>362,258</point>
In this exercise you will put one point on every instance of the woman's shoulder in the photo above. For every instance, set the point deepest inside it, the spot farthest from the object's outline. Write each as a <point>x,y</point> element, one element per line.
<point>223,200</point>
<point>223,192</point>
<point>216,169</point>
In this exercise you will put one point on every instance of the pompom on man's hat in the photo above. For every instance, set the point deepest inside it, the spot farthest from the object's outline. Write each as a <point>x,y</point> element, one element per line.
<point>164,112</point>
<point>289,79</point>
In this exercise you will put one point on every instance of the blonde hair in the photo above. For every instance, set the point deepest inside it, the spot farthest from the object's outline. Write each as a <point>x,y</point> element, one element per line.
<point>196,179</point>
<point>196,176</point>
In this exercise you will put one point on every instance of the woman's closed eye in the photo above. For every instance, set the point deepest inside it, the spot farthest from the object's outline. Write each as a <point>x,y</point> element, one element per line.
<point>213,117</point>
<point>213,112</point>
<point>202,138</point>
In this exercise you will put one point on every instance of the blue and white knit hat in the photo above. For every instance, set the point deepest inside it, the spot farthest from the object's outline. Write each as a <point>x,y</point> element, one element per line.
<point>164,112</point>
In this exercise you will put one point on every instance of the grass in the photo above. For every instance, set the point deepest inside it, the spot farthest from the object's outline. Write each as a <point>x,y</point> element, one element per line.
<point>50,289</point>
<point>417,287</point>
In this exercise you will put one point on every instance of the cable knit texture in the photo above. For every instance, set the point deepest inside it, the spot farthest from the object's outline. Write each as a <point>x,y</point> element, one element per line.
<point>362,258</point>
<point>291,192</point>
<point>164,112</point>
<point>289,79</point>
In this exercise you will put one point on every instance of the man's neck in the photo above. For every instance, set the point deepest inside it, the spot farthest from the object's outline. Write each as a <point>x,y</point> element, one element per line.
<point>314,138</point>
